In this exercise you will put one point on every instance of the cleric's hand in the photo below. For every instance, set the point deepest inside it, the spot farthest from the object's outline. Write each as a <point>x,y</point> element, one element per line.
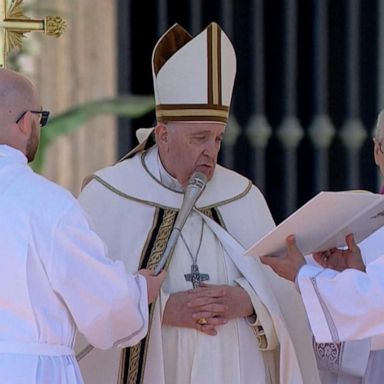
<point>340,259</point>
<point>288,265</point>
<point>153,283</point>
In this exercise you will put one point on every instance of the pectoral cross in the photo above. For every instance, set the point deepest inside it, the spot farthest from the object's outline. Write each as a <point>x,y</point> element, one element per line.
<point>195,277</point>
<point>13,25</point>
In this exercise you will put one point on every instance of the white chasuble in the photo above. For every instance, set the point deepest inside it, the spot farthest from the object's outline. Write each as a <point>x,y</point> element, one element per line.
<point>192,356</point>
<point>128,207</point>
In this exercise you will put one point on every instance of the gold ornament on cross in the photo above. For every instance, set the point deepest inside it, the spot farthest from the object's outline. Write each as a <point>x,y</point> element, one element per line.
<point>13,25</point>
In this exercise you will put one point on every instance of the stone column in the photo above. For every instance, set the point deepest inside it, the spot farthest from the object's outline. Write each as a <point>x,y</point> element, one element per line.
<point>78,67</point>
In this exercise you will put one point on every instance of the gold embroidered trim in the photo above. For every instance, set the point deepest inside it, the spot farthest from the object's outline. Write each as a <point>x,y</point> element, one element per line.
<point>125,195</point>
<point>162,237</point>
<point>133,365</point>
<point>154,204</point>
<point>135,376</point>
<point>214,64</point>
<point>181,112</point>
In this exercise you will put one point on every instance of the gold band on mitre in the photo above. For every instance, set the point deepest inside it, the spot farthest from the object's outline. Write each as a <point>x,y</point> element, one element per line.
<point>179,112</point>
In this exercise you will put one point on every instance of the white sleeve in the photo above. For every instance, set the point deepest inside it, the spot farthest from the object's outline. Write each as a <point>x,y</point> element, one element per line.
<point>346,305</point>
<point>263,324</point>
<point>108,305</point>
<point>347,358</point>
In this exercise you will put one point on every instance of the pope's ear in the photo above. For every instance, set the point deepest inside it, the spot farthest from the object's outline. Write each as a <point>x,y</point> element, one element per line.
<point>161,133</point>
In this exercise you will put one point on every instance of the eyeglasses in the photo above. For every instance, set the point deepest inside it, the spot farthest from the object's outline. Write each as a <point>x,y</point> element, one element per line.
<point>43,118</point>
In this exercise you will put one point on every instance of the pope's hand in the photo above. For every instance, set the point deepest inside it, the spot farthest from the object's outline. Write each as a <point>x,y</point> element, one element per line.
<point>287,265</point>
<point>220,302</point>
<point>179,313</point>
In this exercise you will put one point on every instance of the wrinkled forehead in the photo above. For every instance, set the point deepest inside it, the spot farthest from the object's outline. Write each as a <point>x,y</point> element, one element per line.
<point>196,127</point>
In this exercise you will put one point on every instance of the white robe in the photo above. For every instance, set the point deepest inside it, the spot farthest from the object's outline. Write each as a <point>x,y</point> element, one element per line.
<point>123,204</point>
<point>347,314</point>
<point>54,279</point>
<point>349,362</point>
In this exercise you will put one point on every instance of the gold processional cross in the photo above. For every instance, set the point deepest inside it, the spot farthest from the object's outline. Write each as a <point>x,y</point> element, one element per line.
<point>13,25</point>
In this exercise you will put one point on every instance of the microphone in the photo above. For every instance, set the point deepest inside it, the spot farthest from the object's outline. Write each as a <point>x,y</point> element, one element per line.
<point>193,191</point>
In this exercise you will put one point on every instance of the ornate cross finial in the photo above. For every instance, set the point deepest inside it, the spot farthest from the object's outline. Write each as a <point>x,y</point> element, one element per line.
<point>13,25</point>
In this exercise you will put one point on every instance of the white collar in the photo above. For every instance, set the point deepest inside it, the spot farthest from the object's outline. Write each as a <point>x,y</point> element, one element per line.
<point>166,178</point>
<point>12,154</point>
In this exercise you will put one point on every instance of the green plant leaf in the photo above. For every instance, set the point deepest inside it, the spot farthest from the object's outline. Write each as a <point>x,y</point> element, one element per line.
<point>126,106</point>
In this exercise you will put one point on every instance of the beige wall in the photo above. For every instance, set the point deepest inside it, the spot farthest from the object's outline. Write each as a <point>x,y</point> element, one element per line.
<point>78,67</point>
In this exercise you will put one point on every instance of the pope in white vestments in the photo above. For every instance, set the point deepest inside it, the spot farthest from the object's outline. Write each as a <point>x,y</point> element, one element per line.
<point>263,337</point>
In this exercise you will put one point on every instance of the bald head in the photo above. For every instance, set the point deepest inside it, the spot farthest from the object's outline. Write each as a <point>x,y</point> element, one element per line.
<point>17,94</point>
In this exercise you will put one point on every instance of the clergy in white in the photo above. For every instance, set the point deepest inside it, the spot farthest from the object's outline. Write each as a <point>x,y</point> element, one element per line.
<point>358,361</point>
<point>54,274</point>
<point>55,278</point>
<point>352,362</point>
<point>343,301</point>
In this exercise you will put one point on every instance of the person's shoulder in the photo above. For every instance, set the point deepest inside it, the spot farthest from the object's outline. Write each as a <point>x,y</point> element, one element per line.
<point>116,170</point>
<point>230,185</point>
<point>45,190</point>
<point>232,180</point>
<point>224,187</point>
<point>114,176</point>
<point>223,173</point>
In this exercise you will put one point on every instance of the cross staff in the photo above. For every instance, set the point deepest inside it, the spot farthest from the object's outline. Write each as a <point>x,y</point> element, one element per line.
<point>13,25</point>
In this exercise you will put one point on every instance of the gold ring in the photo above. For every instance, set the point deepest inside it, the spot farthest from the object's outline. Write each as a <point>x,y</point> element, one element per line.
<point>202,321</point>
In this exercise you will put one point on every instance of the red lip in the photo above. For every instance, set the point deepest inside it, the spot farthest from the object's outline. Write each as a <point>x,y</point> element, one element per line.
<point>204,166</point>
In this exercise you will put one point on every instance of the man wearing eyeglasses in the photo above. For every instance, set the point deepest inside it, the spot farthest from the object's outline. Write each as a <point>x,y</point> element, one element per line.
<point>33,141</point>
<point>55,277</point>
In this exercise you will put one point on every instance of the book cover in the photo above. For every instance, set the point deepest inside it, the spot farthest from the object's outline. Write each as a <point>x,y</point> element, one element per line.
<point>324,222</point>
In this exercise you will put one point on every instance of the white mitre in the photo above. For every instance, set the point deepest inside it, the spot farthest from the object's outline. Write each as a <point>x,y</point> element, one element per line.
<point>193,77</point>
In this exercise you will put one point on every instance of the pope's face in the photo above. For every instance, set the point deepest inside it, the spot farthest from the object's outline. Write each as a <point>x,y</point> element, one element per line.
<point>188,147</point>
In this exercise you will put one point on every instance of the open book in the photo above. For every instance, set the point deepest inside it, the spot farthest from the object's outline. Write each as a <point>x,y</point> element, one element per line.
<point>324,222</point>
